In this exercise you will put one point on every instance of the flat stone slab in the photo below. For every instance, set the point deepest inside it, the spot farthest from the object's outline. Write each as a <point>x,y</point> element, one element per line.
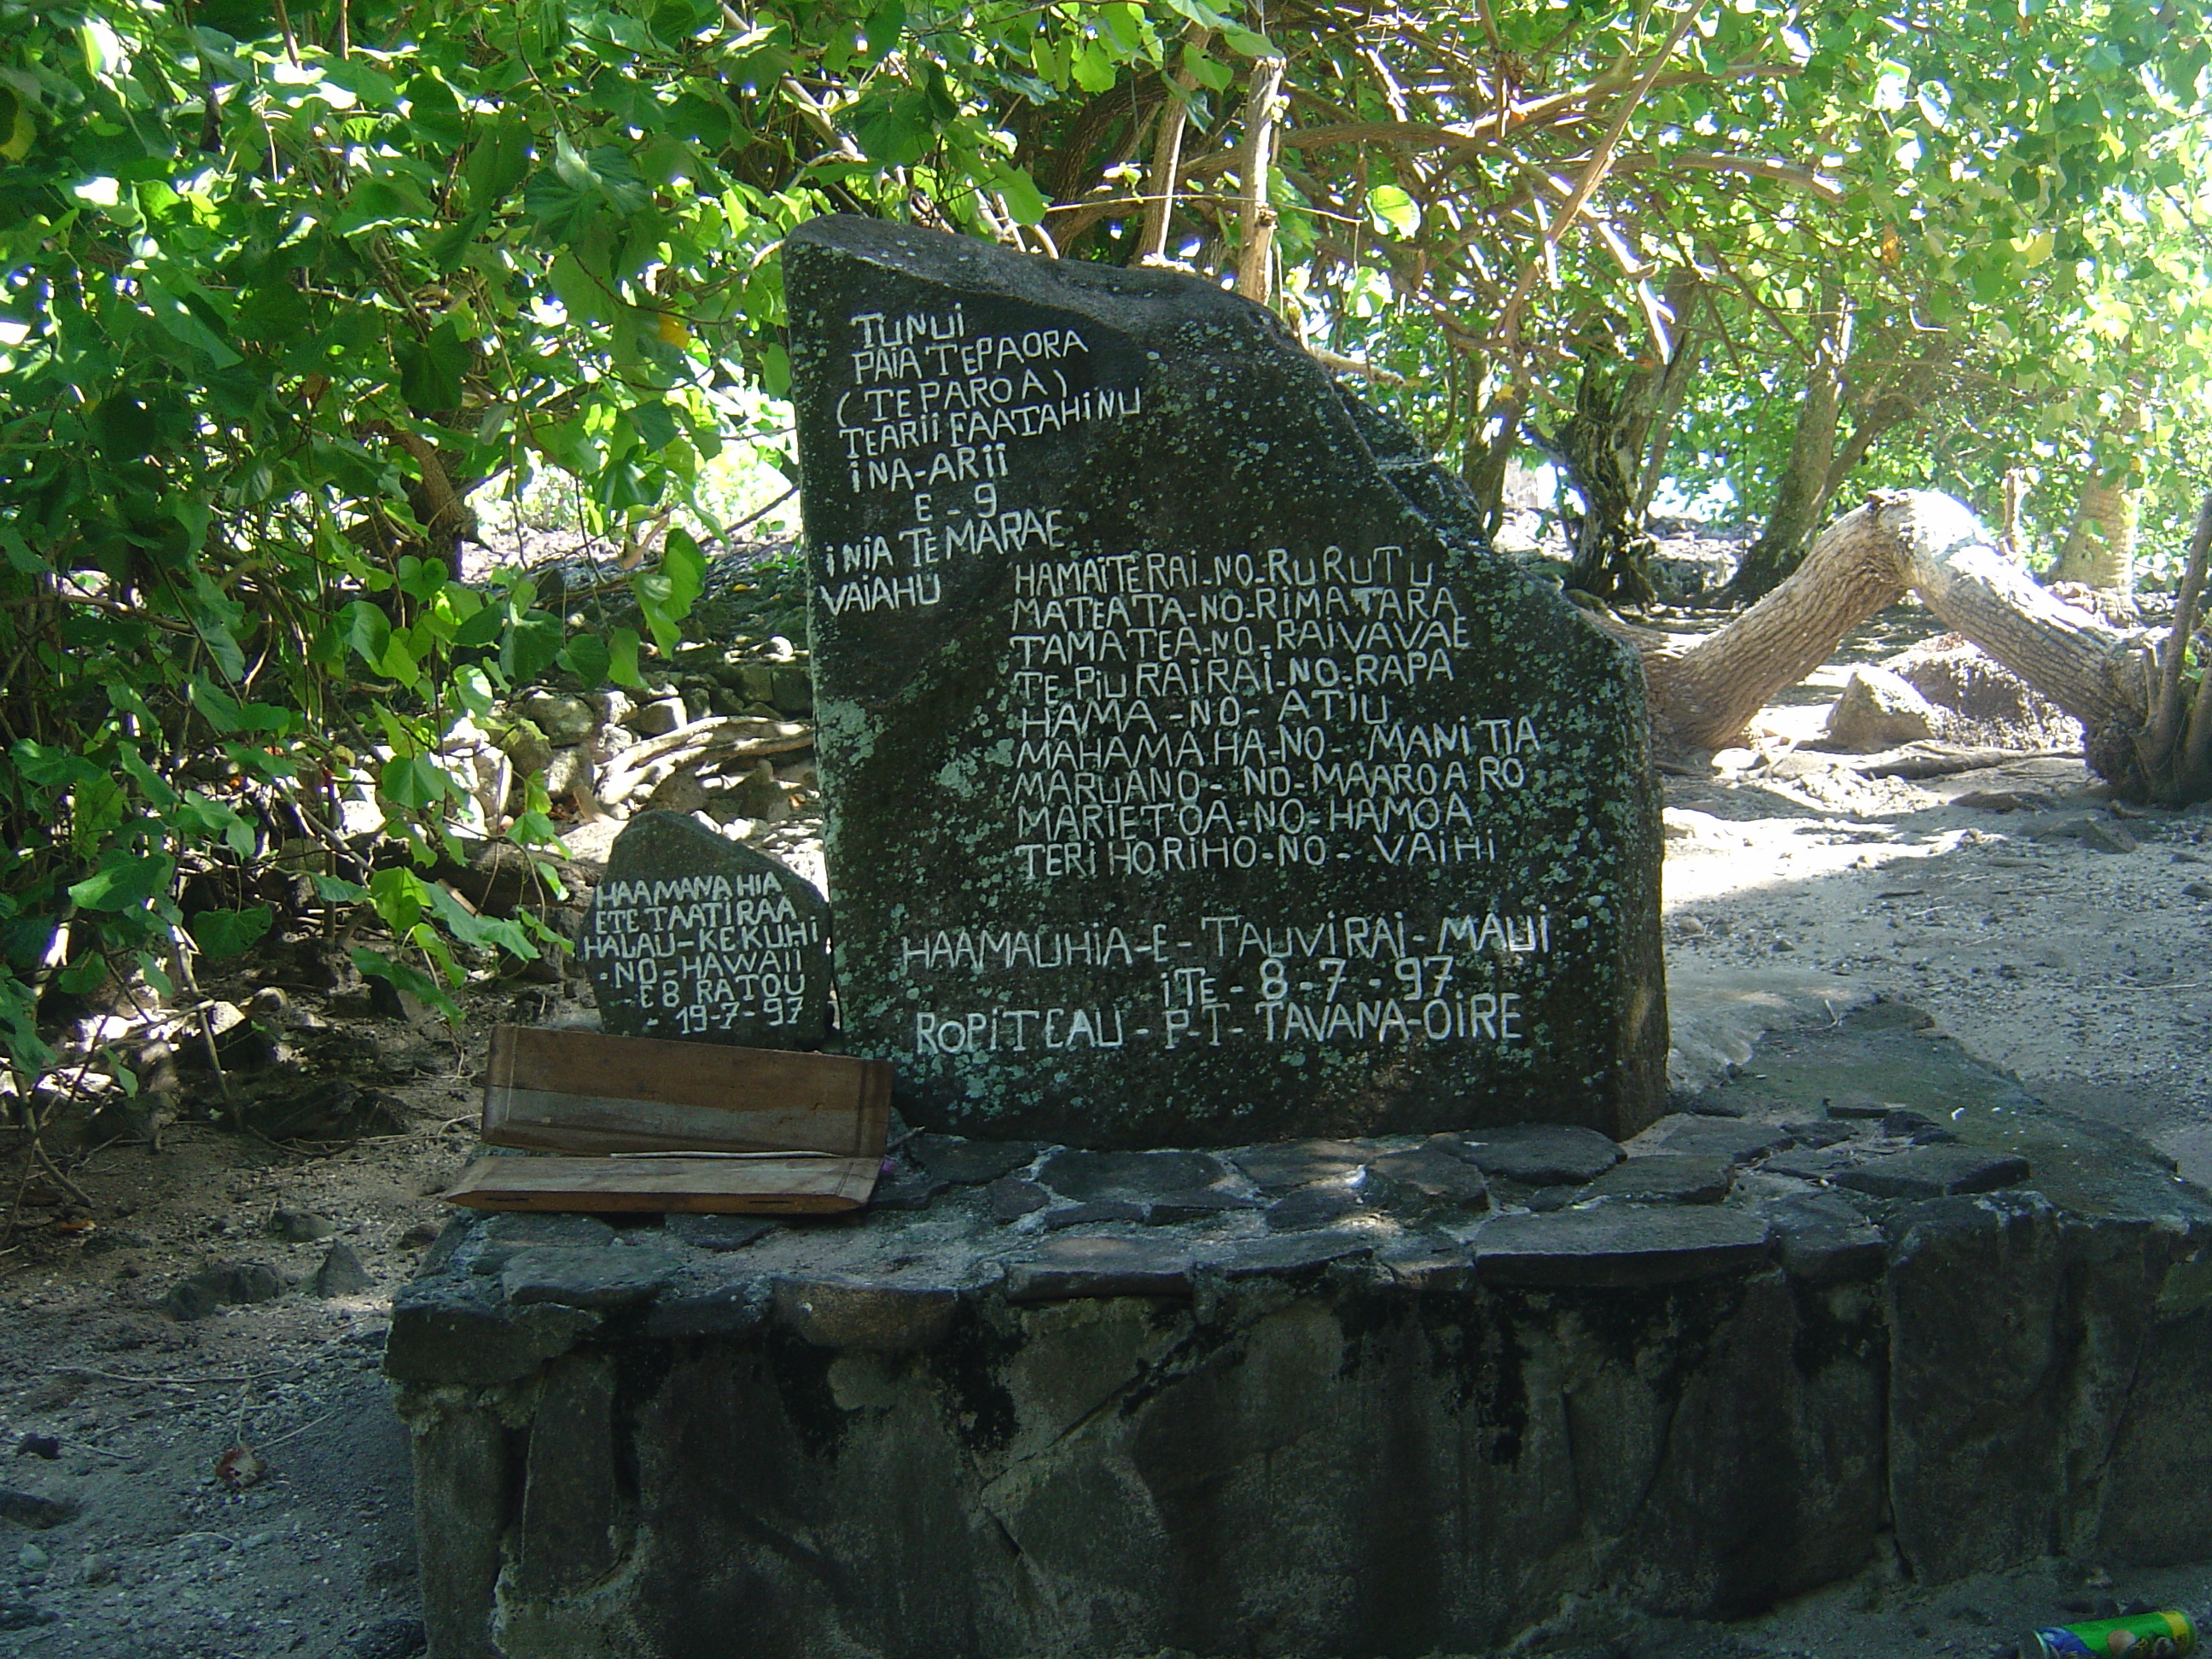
<point>1430,1179</point>
<point>1826,1239</point>
<point>1193,773</point>
<point>1618,1244</point>
<point>605,1277</point>
<point>887,1316</point>
<point>1322,1205</point>
<point>965,1162</point>
<point>1543,1154</point>
<point>1936,1172</point>
<point>1280,1168</point>
<point>1665,1178</point>
<point>1136,1178</point>
<point>718,1232</point>
<point>692,935</point>
<point>1733,1143</point>
<point>1084,1267</point>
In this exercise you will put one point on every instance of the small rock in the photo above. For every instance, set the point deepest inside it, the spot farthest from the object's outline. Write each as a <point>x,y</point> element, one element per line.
<point>526,747</point>
<point>913,1190</point>
<point>342,1274</point>
<point>21,1615</point>
<point>758,796</point>
<point>229,1284</point>
<point>1860,1108</point>
<point>1618,1244</point>
<point>2196,890</point>
<point>39,1445</point>
<point>1813,1163</point>
<point>563,720</point>
<point>1824,1240</point>
<point>399,1636</point>
<point>2105,837</point>
<point>327,1109</point>
<point>1013,1197</point>
<point>299,1226</point>
<point>32,1558</point>
<point>656,719</point>
<point>708,1309</point>
<point>26,1509</point>
<point>1878,709</point>
<point>1269,1257</point>
<point>1733,1143</point>
<point>1903,1124</point>
<point>1429,1178</point>
<point>1817,1135</point>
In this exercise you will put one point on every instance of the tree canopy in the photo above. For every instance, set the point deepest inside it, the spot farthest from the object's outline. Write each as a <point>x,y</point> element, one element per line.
<point>283,285</point>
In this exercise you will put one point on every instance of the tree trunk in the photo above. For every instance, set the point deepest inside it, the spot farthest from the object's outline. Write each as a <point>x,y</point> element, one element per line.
<point>1263,107</point>
<point>1600,445</point>
<point>1703,691</point>
<point>1801,496</point>
<point>2100,548</point>
<point>1493,437</point>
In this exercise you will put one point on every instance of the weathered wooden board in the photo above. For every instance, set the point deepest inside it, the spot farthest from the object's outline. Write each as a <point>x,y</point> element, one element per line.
<point>733,1186</point>
<point>585,1092</point>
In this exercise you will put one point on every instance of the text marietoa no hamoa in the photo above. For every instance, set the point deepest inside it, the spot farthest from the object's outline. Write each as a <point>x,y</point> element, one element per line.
<point>1187,782</point>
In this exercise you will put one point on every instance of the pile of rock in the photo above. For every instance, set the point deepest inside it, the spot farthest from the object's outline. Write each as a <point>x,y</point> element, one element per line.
<point>725,732</point>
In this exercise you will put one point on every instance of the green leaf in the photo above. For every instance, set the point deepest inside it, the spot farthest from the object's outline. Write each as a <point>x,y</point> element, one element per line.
<point>221,933</point>
<point>588,658</point>
<point>567,198</point>
<point>498,162</point>
<point>655,424</point>
<point>530,646</point>
<point>621,658</point>
<point>685,565</point>
<point>1392,209</point>
<point>413,980</point>
<point>124,881</point>
<point>885,27</point>
<point>366,630</point>
<point>413,781</point>
<point>1023,199</point>
<point>432,370</point>
<point>333,890</point>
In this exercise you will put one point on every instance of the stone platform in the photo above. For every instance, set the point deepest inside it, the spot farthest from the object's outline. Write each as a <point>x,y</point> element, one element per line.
<point>1335,1398</point>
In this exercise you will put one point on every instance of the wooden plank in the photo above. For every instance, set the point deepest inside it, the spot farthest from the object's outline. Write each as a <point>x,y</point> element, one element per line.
<point>731,1186</point>
<point>585,1092</point>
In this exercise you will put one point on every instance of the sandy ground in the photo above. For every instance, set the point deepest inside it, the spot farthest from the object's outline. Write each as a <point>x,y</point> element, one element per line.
<point>1793,884</point>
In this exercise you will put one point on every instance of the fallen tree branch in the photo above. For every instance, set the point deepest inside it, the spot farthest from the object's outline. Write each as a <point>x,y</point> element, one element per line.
<point>1704,690</point>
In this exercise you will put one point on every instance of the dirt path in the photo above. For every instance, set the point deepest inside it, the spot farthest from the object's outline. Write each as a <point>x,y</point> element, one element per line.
<point>1793,882</point>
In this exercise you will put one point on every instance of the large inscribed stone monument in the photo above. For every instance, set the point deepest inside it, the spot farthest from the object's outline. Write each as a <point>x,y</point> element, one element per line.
<point>1189,782</point>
